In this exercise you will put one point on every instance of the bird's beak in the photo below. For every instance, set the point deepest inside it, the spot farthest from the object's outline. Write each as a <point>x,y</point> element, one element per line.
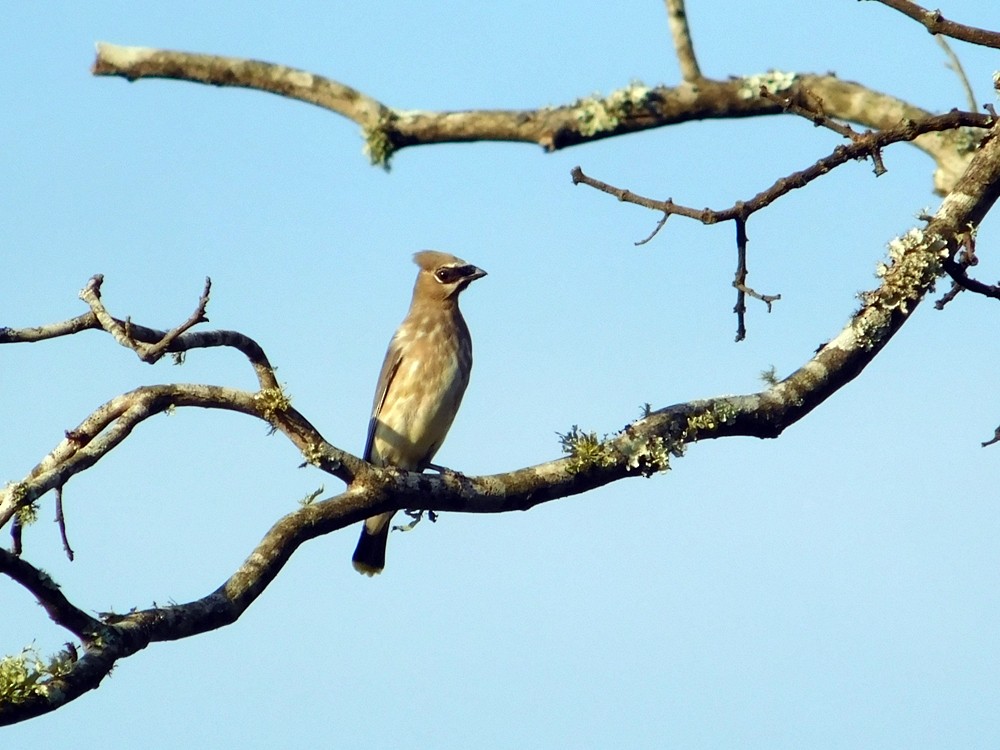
<point>475,273</point>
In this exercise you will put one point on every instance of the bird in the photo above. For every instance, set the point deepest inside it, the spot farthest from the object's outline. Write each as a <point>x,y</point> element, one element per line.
<point>420,387</point>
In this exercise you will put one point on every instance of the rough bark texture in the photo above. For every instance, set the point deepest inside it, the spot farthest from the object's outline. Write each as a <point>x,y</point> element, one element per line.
<point>968,172</point>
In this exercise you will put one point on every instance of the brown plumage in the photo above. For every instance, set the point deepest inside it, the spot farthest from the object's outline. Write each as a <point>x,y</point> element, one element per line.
<point>420,388</point>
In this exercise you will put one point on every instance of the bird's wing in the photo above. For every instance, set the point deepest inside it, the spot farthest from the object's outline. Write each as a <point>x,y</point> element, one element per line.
<point>390,366</point>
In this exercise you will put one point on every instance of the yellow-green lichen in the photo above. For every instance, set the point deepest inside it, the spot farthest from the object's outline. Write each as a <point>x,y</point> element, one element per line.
<point>708,421</point>
<point>770,375</point>
<point>649,455</point>
<point>967,140</point>
<point>378,145</point>
<point>314,454</point>
<point>27,675</point>
<point>18,492</point>
<point>271,402</point>
<point>601,114</point>
<point>586,450</point>
<point>311,497</point>
<point>870,327</point>
<point>913,266</point>
<point>774,81</point>
<point>27,514</point>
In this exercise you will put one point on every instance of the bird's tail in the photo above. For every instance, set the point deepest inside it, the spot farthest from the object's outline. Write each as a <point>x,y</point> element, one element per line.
<point>369,555</point>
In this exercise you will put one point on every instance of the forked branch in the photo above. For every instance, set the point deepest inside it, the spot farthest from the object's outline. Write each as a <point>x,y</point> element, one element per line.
<point>862,145</point>
<point>643,447</point>
<point>630,109</point>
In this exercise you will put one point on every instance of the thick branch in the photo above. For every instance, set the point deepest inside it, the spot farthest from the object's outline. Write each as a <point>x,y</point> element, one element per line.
<point>134,63</point>
<point>630,109</point>
<point>48,594</point>
<point>641,448</point>
<point>109,425</point>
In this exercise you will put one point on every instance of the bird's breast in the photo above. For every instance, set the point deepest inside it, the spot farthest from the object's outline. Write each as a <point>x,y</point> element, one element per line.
<point>424,394</point>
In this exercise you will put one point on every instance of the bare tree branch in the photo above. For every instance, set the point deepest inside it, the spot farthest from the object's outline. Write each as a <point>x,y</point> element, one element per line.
<point>994,440</point>
<point>48,594</point>
<point>134,63</point>
<point>61,521</point>
<point>122,333</point>
<point>740,281</point>
<point>677,17</point>
<point>810,108</point>
<point>962,279</point>
<point>956,65</point>
<point>642,448</point>
<point>936,23</point>
<point>109,425</point>
<point>966,162</point>
<point>863,145</point>
<point>630,109</point>
<point>176,344</point>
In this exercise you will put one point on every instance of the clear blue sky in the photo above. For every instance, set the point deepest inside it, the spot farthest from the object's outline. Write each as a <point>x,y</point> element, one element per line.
<point>833,588</point>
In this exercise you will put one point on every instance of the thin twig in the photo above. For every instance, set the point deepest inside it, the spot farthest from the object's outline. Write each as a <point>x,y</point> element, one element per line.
<point>61,520</point>
<point>936,23</point>
<point>153,353</point>
<point>878,166</point>
<point>949,296</point>
<point>964,259</point>
<point>816,116</point>
<point>656,230</point>
<point>862,145</point>
<point>959,276</point>
<point>741,275</point>
<point>190,340</point>
<point>861,148</point>
<point>995,439</point>
<point>956,65</point>
<point>740,281</point>
<point>123,332</point>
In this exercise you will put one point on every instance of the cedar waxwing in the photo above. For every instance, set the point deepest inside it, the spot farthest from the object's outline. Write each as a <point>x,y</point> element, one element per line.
<point>420,388</point>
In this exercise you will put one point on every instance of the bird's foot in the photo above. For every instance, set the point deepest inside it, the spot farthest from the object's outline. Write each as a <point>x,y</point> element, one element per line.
<point>443,470</point>
<point>416,516</point>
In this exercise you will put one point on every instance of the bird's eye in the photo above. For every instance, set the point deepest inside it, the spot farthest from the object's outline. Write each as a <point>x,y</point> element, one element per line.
<point>448,274</point>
